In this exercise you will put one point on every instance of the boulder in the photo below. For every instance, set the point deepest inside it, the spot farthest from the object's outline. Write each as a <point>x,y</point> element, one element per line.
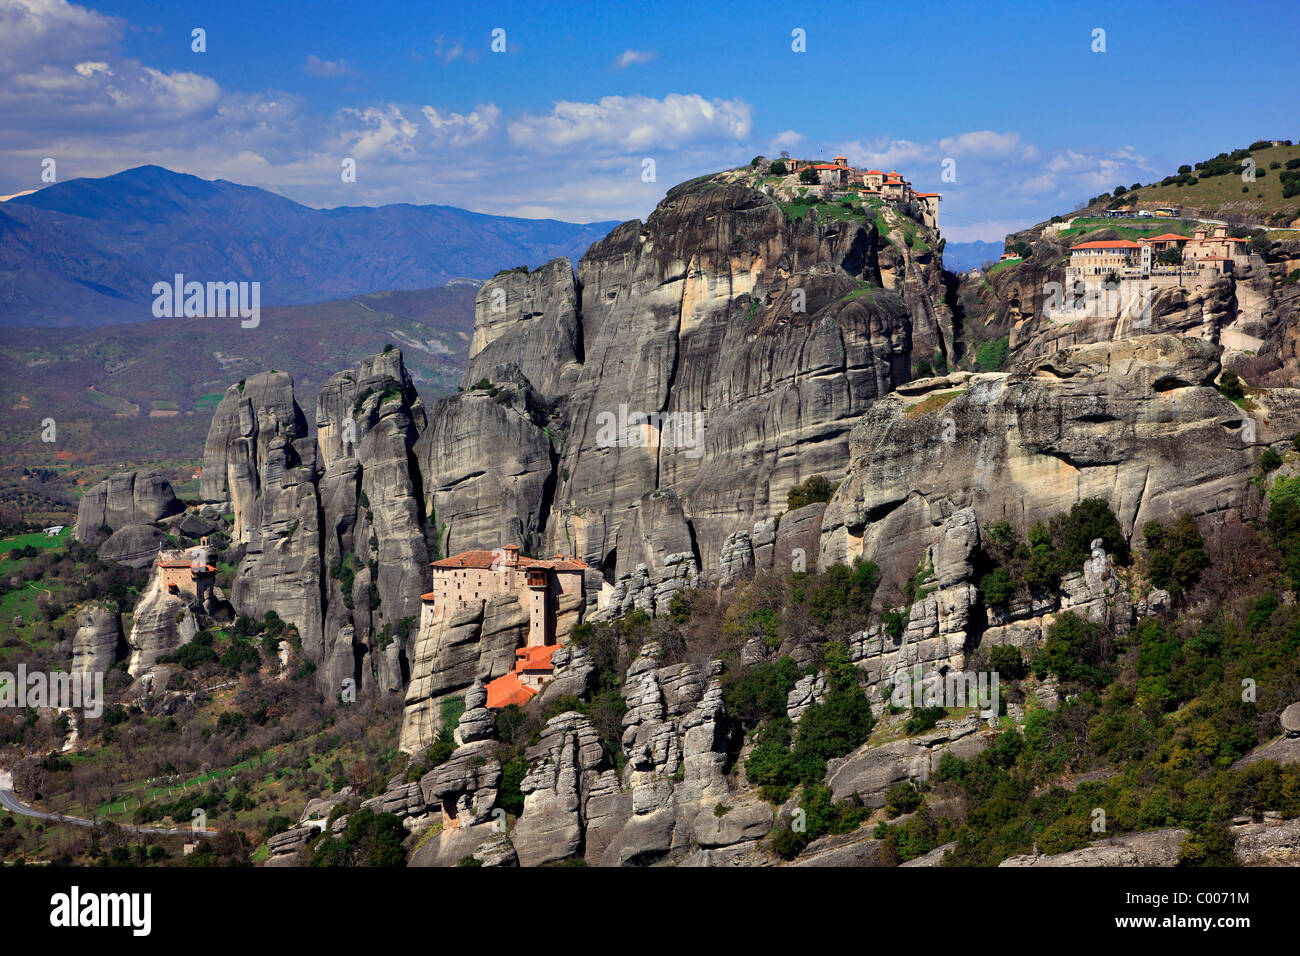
<point>126,498</point>
<point>135,545</point>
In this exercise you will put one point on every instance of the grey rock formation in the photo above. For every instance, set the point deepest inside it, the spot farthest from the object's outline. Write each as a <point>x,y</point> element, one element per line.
<point>808,690</point>
<point>1150,848</point>
<point>763,335</point>
<point>475,644</point>
<point>465,787</point>
<point>1135,423</point>
<point>98,643</point>
<point>939,623</point>
<point>1271,843</point>
<point>476,720</point>
<point>135,545</point>
<point>1290,720</point>
<point>487,465</point>
<point>332,527</point>
<point>871,771</point>
<point>161,623</point>
<point>259,463</point>
<point>127,498</point>
<point>562,770</point>
<point>372,508</point>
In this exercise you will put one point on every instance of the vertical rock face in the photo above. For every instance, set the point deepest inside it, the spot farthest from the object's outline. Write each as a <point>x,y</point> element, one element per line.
<point>251,415</point>
<point>281,570</point>
<point>528,321</point>
<point>475,644</point>
<point>367,422</point>
<point>98,643</point>
<point>127,498</point>
<point>333,526</point>
<point>763,337</point>
<point>488,467</point>
<point>562,771</point>
<point>941,625</point>
<point>1135,423</point>
<point>161,623</point>
<point>259,462</point>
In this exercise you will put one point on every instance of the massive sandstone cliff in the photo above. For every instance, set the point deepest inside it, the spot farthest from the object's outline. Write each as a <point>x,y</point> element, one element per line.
<point>331,525</point>
<point>768,334</point>
<point>1136,423</point>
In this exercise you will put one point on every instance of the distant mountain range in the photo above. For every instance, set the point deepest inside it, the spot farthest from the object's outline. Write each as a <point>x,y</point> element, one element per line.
<point>143,392</point>
<point>964,256</point>
<point>88,251</point>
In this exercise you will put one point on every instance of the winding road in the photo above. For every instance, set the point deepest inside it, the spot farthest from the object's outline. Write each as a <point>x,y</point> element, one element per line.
<point>9,800</point>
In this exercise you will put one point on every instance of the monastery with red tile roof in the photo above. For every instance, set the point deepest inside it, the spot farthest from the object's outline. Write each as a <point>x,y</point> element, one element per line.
<point>472,577</point>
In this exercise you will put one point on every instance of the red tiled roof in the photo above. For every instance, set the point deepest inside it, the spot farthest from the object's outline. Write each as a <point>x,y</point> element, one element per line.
<point>1109,244</point>
<point>1170,237</point>
<point>927,194</point>
<point>485,561</point>
<point>507,690</point>
<point>537,658</point>
<point>873,172</point>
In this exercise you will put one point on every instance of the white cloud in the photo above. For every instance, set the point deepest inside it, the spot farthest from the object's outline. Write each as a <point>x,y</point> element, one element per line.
<point>36,33</point>
<point>984,142</point>
<point>638,123</point>
<point>382,130</point>
<point>787,140</point>
<point>326,69</point>
<point>459,129</point>
<point>633,58</point>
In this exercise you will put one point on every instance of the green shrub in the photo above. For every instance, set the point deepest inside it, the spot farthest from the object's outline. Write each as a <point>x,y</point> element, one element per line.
<point>990,356</point>
<point>1079,651</point>
<point>923,718</point>
<point>902,798</point>
<point>1175,555</point>
<point>997,587</point>
<point>814,489</point>
<point>1007,662</point>
<point>1230,385</point>
<point>760,690</point>
<point>368,839</point>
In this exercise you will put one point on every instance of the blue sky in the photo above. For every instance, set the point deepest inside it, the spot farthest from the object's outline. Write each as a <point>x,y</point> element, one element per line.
<point>559,124</point>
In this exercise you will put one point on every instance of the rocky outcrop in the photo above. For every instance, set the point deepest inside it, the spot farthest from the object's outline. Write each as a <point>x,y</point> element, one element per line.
<point>135,545</point>
<point>474,644</point>
<point>758,335</point>
<point>372,520</point>
<point>1272,843</point>
<point>161,623</point>
<point>127,498</point>
<point>98,643</point>
<point>786,544</point>
<point>333,527</point>
<point>871,772</point>
<point>476,720</point>
<point>1151,848</point>
<point>260,464</point>
<point>1135,423</point>
<point>488,467</point>
<point>562,771</point>
<point>1244,312</point>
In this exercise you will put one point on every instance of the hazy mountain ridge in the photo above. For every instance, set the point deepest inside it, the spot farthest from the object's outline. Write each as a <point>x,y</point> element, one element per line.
<point>88,251</point>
